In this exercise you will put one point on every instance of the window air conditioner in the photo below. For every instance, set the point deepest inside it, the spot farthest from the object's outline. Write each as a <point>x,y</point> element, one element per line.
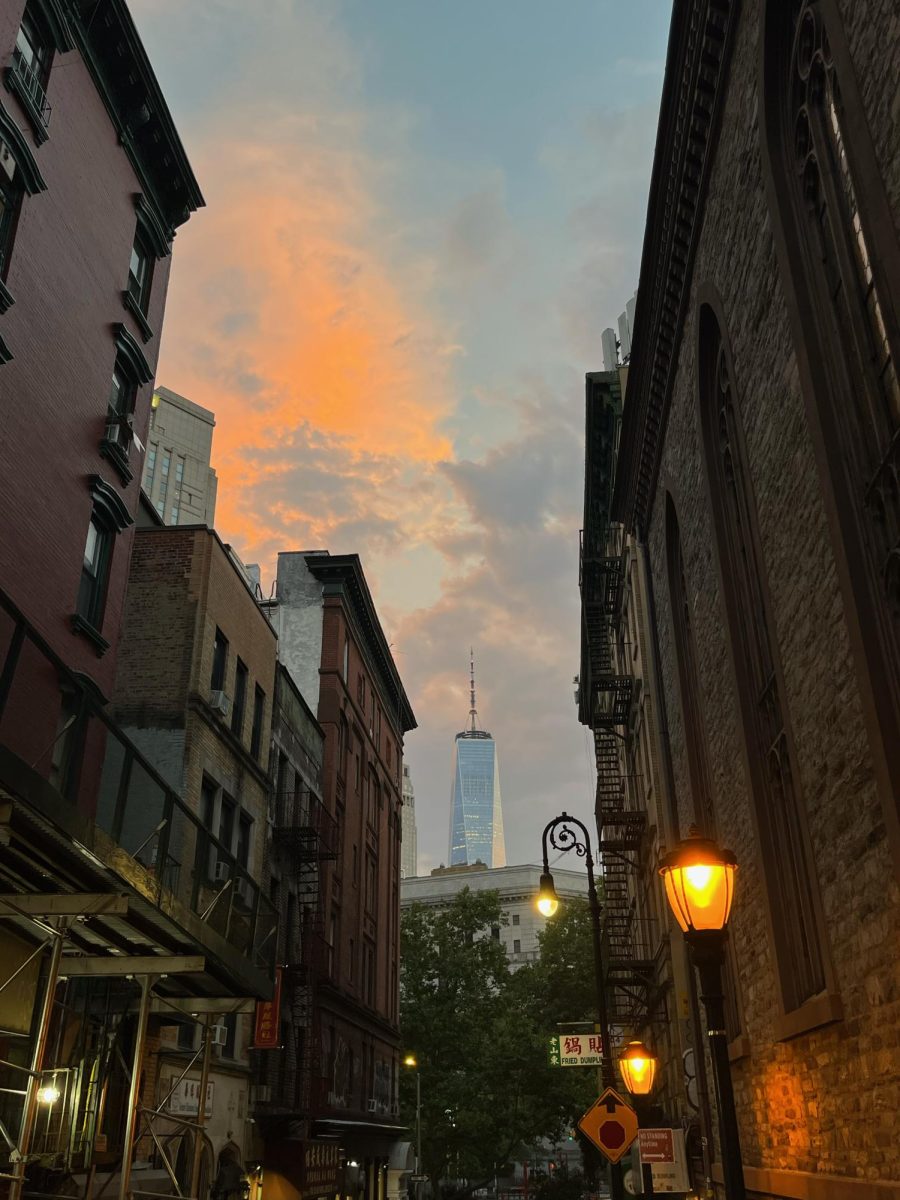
<point>223,871</point>
<point>219,702</point>
<point>218,1035</point>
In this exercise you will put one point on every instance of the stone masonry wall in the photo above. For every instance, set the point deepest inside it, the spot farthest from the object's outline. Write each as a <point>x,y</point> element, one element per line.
<point>825,1102</point>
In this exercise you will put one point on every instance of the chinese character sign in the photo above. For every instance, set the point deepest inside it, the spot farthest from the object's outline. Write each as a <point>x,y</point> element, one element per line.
<point>267,1031</point>
<point>576,1050</point>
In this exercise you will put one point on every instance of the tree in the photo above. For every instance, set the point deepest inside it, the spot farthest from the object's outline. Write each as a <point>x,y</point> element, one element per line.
<point>480,1033</point>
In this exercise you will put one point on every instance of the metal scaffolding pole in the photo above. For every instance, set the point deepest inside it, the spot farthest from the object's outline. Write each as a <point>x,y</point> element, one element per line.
<point>134,1091</point>
<point>29,1112</point>
<point>201,1110</point>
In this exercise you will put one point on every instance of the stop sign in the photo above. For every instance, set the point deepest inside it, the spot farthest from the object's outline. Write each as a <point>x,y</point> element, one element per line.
<point>612,1134</point>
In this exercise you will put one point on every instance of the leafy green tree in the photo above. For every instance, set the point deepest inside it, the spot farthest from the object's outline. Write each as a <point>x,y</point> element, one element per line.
<point>479,1034</point>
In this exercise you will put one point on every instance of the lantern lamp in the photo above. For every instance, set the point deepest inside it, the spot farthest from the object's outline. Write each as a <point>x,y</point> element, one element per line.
<point>699,879</point>
<point>547,900</point>
<point>638,1067</point>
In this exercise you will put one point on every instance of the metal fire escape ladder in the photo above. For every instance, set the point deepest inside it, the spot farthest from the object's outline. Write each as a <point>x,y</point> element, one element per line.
<point>305,834</point>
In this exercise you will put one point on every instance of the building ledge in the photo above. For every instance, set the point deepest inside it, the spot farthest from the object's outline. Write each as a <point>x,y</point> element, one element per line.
<point>135,309</point>
<point>86,629</point>
<point>820,1010</point>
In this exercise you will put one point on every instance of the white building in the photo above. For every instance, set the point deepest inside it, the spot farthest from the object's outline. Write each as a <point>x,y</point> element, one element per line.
<point>518,887</point>
<point>409,857</point>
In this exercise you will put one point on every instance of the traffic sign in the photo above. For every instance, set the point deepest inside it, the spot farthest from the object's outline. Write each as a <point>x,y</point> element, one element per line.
<point>611,1124</point>
<point>418,1179</point>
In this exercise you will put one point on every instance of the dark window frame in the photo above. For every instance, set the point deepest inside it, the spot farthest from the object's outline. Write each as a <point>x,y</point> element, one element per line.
<point>259,709</point>
<point>28,73</point>
<point>803,970</point>
<point>108,518</point>
<point>219,669</point>
<point>239,701</point>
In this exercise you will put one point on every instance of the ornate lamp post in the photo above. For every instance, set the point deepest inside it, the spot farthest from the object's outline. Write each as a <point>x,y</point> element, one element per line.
<point>567,833</point>
<point>699,879</point>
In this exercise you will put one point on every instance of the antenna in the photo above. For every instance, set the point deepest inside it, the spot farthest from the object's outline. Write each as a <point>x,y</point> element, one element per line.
<point>473,711</point>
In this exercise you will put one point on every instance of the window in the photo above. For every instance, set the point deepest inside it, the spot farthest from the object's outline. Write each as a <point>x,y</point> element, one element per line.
<point>517,946</point>
<point>229,1050</point>
<point>164,474</point>
<point>227,813</point>
<point>840,261</point>
<point>140,270</point>
<point>346,659</point>
<point>10,198</point>
<point>129,372</point>
<point>208,791</point>
<point>150,469</point>
<point>259,707</point>
<point>775,785</point>
<point>242,851</point>
<point>361,691</point>
<point>240,699</point>
<point>173,520</point>
<point>515,919</point>
<point>120,418</point>
<point>220,659</point>
<point>30,71</point>
<point>695,735</point>
<point>94,570</point>
<point>495,932</point>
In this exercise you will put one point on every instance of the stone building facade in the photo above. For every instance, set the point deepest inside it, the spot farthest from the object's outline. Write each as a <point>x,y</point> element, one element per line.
<point>759,467</point>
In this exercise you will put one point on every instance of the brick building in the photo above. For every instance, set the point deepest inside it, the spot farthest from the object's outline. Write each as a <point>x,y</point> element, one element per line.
<point>332,643</point>
<point>194,691</point>
<point>758,474</point>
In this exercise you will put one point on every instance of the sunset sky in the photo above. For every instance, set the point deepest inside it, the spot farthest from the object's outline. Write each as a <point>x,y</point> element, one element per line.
<point>420,216</point>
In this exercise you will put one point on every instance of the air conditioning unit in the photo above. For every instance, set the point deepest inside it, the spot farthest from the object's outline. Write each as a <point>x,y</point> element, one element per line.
<point>223,871</point>
<point>260,1094</point>
<point>373,1106</point>
<point>218,1035</point>
<point>220,702</point>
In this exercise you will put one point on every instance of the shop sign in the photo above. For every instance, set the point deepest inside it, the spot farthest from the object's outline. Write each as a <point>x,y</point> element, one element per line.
<point>267,1031</point>
<point>185,1099</point>
<point>320,1168</point>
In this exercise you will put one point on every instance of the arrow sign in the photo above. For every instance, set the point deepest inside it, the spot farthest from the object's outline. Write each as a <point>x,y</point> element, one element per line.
<point>611,1124</point>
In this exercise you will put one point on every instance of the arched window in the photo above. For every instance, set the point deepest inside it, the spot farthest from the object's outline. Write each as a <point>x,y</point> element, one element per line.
<point>784,845</point>
<point>840,262</point>
<point>688,677</point>
<point>695,735</point>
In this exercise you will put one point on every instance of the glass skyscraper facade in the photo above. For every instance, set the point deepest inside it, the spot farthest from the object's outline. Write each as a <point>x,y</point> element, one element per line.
<point>476,818</point>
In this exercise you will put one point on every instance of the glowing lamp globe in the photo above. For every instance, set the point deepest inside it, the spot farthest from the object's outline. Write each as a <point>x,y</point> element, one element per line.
<point>699,879</point>
<point>48,1093</point>
<point>638,1068</point>
<point>547,900</point>
<point>410,1061</point>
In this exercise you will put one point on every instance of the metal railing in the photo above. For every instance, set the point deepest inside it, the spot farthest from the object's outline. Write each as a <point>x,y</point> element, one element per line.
<point>74,764</point>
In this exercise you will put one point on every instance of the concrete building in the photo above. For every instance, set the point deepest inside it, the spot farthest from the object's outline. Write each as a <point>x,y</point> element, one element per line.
<point>517,888</point>
<point>194,690</point>
<point>409,858</point>
<point>178,477</point>
<point>757,476</point>
<point>332,643</point>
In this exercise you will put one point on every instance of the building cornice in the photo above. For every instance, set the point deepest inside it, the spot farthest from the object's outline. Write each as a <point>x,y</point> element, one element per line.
<point>342,575</point>
<point>106,36</point>
<point>700,43</point>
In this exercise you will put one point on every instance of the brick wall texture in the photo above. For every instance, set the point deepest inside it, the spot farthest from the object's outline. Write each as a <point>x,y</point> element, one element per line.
<point>827,1101</point>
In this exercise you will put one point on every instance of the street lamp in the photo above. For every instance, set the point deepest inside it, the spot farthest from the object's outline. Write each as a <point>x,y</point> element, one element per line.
<point>566,833</point>
<point>411,1061</point>
<point>699,879</point>
<point>637,1066</point>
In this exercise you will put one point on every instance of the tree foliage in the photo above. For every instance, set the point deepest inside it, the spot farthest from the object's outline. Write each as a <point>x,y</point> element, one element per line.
<point>480,1032</point>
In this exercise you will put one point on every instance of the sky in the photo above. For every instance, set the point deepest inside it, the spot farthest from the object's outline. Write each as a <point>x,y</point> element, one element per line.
<point>421,214</point>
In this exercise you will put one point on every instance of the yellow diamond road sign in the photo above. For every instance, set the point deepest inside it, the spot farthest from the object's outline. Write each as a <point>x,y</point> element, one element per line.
<point>611,1124</point>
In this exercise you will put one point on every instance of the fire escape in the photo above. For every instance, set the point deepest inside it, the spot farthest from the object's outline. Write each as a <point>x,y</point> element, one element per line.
<point>606,705</point>
<point>304,836</point>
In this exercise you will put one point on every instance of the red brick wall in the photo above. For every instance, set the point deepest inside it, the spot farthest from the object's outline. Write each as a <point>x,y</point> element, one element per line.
<point>67,270</point>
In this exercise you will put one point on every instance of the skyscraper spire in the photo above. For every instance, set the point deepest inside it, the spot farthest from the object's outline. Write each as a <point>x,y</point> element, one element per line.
<point>473,711</point>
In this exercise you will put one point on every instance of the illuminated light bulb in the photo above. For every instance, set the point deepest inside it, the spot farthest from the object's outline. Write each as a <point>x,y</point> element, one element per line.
<point>48,1093</point>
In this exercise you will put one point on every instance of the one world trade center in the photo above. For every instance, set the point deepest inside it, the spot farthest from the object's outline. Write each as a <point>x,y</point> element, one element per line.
<point>476,816</point>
